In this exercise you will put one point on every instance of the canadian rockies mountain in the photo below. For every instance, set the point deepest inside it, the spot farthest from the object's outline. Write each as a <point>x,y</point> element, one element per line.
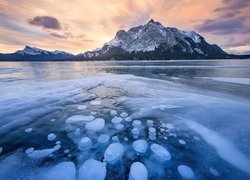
<point>150,41</point>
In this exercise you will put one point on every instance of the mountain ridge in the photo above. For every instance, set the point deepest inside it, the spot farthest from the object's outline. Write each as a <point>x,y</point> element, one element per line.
<point>151,41</point>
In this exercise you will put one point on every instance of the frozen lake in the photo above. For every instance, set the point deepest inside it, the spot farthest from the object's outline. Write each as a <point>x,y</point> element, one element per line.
<point>120,120</point>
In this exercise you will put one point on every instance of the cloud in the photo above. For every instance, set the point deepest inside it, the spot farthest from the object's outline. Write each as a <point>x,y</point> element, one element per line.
<point>233,5</point>
<point>224,26</point>
<point>62,36</point>
<point>47,22</point>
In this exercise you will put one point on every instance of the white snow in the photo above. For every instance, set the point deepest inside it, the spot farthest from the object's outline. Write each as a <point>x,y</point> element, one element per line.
<point>95,125</point>
<point>77,118</point>
<point>185,171</point>
<point>138,171</point>
<point>161,152</point>
<point>81,107</point>
<point>113,153</point>
<point>51,137</point>
<point>28,130</point>
<point>95,103</point>
<point>181,141</point>
<point>84,144</point>
<point>124,114</point>
<point>92,170</point>
<point>62,171</point>
<point>113,112</point>
<point>140,146</point>
<point>103,138</point>
<point>245,81</point>
<point>116,120</point>
<point>224,148</point>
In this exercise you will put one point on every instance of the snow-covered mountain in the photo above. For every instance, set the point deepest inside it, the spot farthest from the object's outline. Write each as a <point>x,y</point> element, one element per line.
<point>154,41</point>
<point>33,53</point>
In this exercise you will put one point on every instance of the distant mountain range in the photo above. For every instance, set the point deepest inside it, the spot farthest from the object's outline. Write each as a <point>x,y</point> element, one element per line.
<point>150,41</point>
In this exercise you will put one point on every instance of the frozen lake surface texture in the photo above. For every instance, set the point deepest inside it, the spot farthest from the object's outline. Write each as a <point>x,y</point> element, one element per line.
<point>125,120</point>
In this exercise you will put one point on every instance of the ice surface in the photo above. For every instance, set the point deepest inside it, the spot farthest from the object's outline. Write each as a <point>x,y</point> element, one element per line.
<point>164,107</point>
<point>103,138</point>
<point>161,152</point>
<point>140,146</point>
<point>224,148</point>
<point>137,124</point>
<point>77,118</point>
<point>113,153</point>
<point>62,171</point>
<point>95,125</point>
<point>51,137</point>
<point>138,171</point>
<point>81,107</point>
<point>28,130</point>
<point>185,171</point>
<point>92,170</point>
<point>231,80</point>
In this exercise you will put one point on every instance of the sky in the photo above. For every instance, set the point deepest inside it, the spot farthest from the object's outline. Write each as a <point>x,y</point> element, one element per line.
<point>77,26</point>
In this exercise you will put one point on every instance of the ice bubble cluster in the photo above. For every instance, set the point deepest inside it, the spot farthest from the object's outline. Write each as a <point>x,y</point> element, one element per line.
<point>84,144</point>
<point>138,171</point>
<point>140,146</point>
<point>113,153</point>
<point>81,107</point>
<point>135,132</point>
<point>95,125</point>
<point>152,133</point>
<point>92,169</point>
<point>77,118</point>
<point>150,123</point>
<point>137,124</point>
<point>51,137</point>
<point>62,171</point>
<point>185,171</point>
<point>160,152</point>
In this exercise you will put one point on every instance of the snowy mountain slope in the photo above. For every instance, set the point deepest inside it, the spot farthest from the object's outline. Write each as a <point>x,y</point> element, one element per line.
<point>33,53</point>
<point>154,41</point>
